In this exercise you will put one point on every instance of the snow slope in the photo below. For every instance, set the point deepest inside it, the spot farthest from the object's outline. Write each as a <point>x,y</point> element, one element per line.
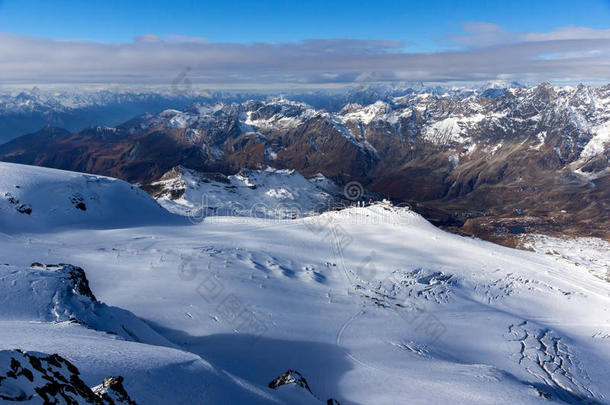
<point>35,198</point>
<point>370,305</point>
<point>591,253</point>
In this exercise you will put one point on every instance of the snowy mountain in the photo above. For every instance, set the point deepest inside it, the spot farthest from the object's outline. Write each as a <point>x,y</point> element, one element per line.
<point>365,305</point>
<point>532,159</point>
<point>28,110</point>
<point>269,193</point>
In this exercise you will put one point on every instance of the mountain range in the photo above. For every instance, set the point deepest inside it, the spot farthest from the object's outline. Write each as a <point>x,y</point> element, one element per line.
<point>496,162</point>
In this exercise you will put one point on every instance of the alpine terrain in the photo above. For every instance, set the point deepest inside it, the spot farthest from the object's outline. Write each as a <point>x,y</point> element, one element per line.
<point>491,162</point>
<point>305,203</point>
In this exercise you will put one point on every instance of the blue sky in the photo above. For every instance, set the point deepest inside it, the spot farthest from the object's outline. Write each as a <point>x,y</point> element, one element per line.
<point>571,32</point>
<point>421,22</point>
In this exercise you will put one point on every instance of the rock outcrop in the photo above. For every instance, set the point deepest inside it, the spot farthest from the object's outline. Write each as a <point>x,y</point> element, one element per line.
<point>39,378</point>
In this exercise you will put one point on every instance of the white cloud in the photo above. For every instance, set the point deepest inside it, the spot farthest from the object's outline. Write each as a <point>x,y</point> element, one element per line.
<point>566,33</point>
<point>478,34</point>
<point>487,52</point>
<point>147,38</point>
<point>186,39</point>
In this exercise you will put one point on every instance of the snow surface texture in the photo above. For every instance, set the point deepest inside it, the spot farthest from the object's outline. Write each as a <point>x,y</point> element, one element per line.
<point>370,305</point>
<point>591,253</point>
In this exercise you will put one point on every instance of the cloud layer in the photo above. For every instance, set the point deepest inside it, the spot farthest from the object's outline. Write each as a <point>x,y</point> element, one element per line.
<point>482,51</point>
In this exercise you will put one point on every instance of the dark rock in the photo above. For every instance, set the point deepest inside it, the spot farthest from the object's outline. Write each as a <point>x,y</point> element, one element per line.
<point>290,377</point>
<point>78,201</point>
<point>294,377</point>
<point>24,209</point>
<point>77,276</point>
<point>53,379</point>
<point>113,392</point>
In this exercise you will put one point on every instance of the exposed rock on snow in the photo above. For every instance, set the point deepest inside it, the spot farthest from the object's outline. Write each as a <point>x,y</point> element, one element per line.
<point>38,378</point>
<point>22,208</point>
<point>292,377</point>
<point>112,391</point>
